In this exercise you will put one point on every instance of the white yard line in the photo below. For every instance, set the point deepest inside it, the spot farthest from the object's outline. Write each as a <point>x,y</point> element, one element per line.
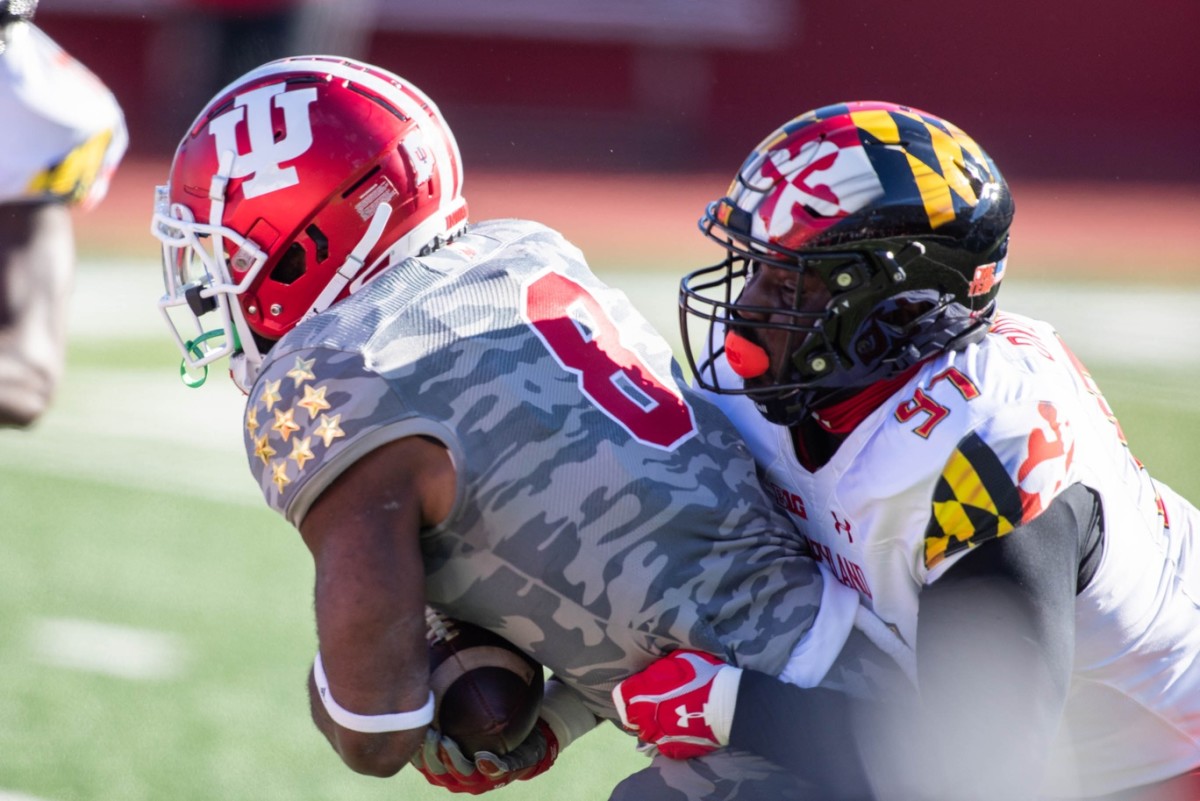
<point>121,651</point>
<point>6,795</point>
<point>130,464</point>
<point>1114,326</point>
<point>144,429</point>
<point>140,430</point>
<point>1117,325</point>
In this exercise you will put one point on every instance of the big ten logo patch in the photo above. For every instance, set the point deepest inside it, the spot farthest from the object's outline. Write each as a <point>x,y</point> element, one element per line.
<point>267,153</point>
<point>787,500</point>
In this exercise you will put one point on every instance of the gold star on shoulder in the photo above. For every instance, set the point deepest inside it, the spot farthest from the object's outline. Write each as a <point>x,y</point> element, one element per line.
<point>302,371</point>
<point>328,429</point>
<point>263,449</point>
<point>251,420</point>
<point>285,423</point>
<point>301,451</point>
<point>279,474</point>
<point>314,401</point>
<point>270,395</point>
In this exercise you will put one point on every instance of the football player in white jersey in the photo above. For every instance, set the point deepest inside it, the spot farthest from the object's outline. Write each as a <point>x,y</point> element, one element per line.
<point>62,135</point>
<point>465,417</point>
<point>954,464</point>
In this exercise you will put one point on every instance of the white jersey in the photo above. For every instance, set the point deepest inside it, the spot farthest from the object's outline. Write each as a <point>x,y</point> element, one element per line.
<point>977,442</point>
<point>62,133</point>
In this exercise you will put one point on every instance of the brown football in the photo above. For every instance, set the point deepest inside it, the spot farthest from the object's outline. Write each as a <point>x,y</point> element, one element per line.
<point>486,691</point>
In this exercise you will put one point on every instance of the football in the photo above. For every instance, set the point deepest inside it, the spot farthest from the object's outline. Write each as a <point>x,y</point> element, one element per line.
<point>486,691</point>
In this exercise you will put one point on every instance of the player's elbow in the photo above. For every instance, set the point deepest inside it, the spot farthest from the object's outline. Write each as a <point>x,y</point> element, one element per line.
<point>380,755</point>
<point>19,418</point>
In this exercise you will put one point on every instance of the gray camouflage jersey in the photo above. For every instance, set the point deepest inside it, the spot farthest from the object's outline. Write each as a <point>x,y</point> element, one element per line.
<point>605,514</point>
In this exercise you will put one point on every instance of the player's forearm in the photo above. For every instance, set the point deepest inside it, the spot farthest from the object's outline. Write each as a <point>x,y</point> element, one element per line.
<point>564,711</point>
<point>382,754</point>
<point>991,700</point>
<point>37,259</point>
<point>994,653</point>
<point>810,732</point>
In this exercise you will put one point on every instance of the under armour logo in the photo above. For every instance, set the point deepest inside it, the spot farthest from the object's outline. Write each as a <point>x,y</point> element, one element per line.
<point>266,154</point>
<point>842,526</point>
<point>686,717</point>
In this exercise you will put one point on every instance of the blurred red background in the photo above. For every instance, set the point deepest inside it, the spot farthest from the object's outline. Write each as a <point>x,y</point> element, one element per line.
<point>645,110</point>
<point>1052,88</point>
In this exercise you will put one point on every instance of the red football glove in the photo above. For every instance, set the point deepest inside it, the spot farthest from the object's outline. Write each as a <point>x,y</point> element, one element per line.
<point>443,763</point>
<point>682,704</point>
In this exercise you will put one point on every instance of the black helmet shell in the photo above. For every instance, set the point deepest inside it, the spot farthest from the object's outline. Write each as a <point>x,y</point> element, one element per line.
<point>902,215</point>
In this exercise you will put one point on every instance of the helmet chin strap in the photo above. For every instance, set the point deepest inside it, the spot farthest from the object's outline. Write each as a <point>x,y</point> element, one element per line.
<point>354,262</point>
<point>216,199</point>
<point>243,371</point>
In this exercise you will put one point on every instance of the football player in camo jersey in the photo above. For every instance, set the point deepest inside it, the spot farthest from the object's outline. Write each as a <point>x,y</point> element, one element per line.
<point>955,465</point>
<point>464,417</point>
<point>62,135</point>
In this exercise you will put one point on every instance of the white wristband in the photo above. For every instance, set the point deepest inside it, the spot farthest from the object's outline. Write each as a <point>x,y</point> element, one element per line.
<point>722,702</point>
<point>368,724</point>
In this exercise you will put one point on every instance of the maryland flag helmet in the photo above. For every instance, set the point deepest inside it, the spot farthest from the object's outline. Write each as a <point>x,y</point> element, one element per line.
<point>899,214</point>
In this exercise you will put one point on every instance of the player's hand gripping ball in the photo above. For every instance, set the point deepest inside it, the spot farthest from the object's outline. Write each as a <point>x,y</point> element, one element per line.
<point>487,692</point>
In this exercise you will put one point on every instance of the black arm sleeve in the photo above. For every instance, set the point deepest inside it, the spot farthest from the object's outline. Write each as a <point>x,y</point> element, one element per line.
<point>995,645</point>
<point>809,732</point>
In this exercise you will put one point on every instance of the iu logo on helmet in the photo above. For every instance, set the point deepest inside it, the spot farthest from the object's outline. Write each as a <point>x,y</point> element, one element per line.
<point>266,155</point>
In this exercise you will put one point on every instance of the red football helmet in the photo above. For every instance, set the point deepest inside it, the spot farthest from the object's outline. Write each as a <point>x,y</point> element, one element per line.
<point>296,185</point>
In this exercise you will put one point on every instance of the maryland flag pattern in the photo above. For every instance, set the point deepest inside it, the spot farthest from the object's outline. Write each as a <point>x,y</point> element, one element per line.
<point>932,148</point>
<point>62,132</point>
<point>975,500</point>
<point>811,178</point>
<point>907,496</point>
<point>72,178</point>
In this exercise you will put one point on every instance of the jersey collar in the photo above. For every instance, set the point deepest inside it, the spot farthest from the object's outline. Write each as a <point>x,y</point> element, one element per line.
<point>844,416</point>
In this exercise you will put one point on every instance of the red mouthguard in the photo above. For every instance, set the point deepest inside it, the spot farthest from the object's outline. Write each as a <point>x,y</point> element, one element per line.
<point>747,359</point>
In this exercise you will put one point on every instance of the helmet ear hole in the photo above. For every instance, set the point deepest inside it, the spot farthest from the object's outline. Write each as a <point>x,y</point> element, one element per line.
<point>320,241</point>
<point>291,266</point>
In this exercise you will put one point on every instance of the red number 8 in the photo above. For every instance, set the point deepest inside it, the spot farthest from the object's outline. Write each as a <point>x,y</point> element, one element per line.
<point>611,375</point>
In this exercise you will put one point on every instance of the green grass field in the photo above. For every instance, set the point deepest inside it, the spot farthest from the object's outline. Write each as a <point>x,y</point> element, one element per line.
<point>130,505</point>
